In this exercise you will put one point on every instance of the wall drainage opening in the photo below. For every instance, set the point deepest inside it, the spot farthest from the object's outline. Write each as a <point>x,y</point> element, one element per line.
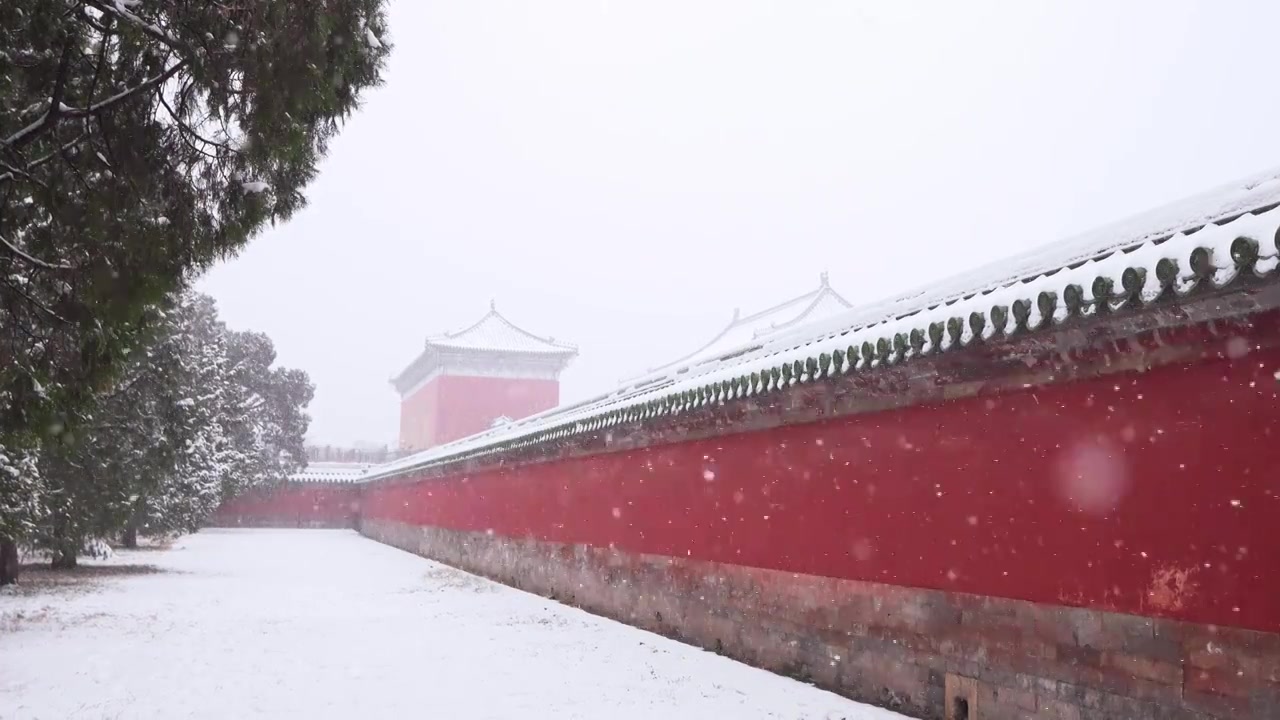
<point>961,695</point>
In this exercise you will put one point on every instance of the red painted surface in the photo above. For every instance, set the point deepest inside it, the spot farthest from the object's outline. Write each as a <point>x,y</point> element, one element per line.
<point>1154,493</point>
<point>292,505</point>
<point>451,407</point>
<point>418,417</point>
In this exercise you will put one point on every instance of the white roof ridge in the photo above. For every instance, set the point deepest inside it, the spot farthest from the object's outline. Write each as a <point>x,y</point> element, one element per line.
<point>804,298</point>
<point>811,298</point>
<point>494,316</point>
<point>824,292</point>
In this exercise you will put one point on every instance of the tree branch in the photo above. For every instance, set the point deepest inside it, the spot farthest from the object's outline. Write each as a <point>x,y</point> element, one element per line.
<point>37,303</point>
<point>58,110</point>
<point>184,128</point>
<point>103,47</point>
<point>34,261</point>
<point>103,50</point>
<point>50,117</point>
<point>125,94</point>
<point>76,171</point>
<point>13,172</point>
<point>152,30</point>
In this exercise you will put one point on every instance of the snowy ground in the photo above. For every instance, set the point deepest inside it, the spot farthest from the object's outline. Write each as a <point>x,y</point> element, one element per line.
<point>327,624</point>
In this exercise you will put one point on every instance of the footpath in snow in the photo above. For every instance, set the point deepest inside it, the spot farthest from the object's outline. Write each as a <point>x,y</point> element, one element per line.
<point>328,624</point>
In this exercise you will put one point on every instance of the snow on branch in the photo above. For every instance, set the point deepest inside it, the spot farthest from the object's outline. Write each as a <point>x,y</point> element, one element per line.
<point>123,95</point>
<point>119,9</point>
<point>58,110</point>
<point>34,261</point>
<point>24,171</point>
<point>50,117</point>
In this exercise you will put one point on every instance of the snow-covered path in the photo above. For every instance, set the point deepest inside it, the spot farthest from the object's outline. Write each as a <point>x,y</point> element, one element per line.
<point>327,624</point>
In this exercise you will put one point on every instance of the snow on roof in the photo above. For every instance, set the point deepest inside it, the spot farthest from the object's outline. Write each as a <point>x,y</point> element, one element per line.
<point>1206,242</point>
<point>820,302</point>
<point>492,340</point>
<point>495,332</point>
<point>331,472</point>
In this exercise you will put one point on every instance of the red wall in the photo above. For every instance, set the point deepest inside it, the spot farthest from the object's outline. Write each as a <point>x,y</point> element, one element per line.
<point>418,417</point>
<point>1154,493</point>
<point>292,505</point>
<point>454,406</point>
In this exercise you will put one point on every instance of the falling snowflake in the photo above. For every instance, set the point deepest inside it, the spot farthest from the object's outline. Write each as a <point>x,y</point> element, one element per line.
<point>1237,347</point>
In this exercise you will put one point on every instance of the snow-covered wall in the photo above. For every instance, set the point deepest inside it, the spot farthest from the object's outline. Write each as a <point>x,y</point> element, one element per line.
<point>293,505</point>
<point>1043,489</point>
<point>975,495</point>
<point>1078,521</point>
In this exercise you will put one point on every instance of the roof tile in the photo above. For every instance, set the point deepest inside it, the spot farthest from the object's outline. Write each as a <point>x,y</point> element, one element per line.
<point>495,332</point>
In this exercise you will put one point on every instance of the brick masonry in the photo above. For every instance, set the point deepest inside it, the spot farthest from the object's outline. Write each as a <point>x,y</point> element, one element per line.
<point>918,651</point>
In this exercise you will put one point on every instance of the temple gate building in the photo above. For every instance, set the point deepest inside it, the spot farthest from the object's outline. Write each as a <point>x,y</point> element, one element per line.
<point>464,382</point>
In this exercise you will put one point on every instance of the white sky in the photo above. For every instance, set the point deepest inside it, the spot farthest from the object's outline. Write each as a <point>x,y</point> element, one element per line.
<point>621,175</point>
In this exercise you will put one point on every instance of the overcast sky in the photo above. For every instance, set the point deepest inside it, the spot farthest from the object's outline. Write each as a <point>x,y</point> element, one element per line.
<point>621,175</point>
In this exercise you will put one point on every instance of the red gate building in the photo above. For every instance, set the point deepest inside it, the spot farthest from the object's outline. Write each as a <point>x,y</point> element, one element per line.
<point>464,382</point>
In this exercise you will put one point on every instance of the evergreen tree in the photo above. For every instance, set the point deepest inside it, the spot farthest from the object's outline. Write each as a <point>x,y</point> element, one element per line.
<point>189,488</point>
<point>199,415</point>
<point>250,420</point>
<point>139,142</point>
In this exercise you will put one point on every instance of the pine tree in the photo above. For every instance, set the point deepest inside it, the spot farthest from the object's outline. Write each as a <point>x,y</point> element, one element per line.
<point>140,142</point>
<point>188,489</point>
<point>199,415</point>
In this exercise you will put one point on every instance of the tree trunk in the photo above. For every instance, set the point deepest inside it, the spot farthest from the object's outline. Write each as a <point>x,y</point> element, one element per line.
<point>8,561</point>
<point>130,537</point>
<point>64,558</point>
<point>63,561</point>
